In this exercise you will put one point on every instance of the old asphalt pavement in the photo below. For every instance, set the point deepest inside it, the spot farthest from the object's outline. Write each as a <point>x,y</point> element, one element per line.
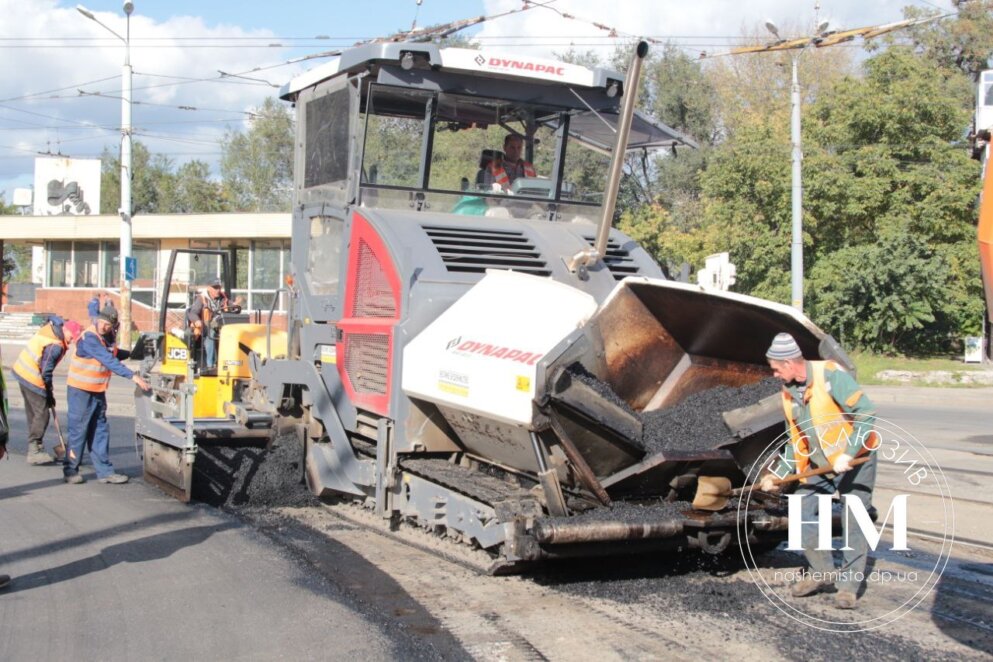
<point>122,572</point>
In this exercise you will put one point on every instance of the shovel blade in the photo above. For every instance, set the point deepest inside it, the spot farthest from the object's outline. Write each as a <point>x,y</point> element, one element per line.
<point>712,493</point>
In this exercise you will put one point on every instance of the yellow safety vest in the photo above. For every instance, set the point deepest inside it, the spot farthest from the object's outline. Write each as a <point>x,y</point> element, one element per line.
<point>89,374</point>
<point>28,364</point>
<point>832,426</point>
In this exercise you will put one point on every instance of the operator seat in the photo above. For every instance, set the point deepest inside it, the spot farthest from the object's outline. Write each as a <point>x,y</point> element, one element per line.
<point>486,157</point>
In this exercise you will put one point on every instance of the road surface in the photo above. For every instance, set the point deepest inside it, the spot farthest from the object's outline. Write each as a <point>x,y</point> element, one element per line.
<point>125,573</point>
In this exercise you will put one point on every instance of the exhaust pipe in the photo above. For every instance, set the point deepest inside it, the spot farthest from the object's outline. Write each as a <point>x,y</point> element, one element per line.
<point>588,257</point>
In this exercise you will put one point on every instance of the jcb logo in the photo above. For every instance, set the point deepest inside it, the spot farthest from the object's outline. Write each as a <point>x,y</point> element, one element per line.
<point>178,354</point>
<point>855,510</point>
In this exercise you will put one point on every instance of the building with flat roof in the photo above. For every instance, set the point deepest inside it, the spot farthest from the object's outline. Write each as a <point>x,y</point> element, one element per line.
<point>74,256</point>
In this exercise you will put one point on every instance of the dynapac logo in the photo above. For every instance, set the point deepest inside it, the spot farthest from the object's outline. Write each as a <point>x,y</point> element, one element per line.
<point>460,346</point>
<point>524,65</point>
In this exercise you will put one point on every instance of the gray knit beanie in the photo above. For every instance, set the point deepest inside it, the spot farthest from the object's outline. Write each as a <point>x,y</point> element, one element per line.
<point>783,348</point>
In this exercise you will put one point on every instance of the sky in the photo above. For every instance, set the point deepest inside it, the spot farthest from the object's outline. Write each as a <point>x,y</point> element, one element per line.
<point>60,92</point>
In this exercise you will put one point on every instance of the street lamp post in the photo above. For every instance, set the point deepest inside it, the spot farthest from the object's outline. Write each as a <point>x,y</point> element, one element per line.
<point>796,196</point>
<point>125,209</point>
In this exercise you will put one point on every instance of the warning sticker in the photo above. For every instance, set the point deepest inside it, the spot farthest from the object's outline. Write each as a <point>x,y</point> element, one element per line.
<point>329,354</point>
<point>455,383</point>
<point>523,383</point>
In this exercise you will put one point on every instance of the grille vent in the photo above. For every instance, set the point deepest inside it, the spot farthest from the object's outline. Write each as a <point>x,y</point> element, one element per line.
<point>470,250</point>
<point>366,362</point>
<point>372,296</point>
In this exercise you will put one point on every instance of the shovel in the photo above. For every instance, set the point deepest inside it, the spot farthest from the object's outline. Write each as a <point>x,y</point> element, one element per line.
<point>62,442</point>
<point>714,492</point>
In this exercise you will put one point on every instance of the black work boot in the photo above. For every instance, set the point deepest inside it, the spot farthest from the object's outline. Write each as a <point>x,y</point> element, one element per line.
<point>37,454</point>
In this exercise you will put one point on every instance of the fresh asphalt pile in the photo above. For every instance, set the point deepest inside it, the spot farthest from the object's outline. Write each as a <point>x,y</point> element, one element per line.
<point>695,424</point>
<point>252,476</point>
<point>581,374</point>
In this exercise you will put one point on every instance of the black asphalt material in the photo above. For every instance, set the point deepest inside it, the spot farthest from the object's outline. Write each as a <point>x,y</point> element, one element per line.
<point>252,476</point>
<point>693,425</point>
<point>579,373</point>
<point>696,424</point>
<point>630,512</point>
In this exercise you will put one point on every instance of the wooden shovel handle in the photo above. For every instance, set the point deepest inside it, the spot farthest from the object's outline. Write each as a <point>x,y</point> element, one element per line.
<point>792,478</point>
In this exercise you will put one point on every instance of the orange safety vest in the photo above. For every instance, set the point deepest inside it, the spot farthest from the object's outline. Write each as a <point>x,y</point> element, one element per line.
<point>89,374</point>
<point>28,364</point>
<point>210,307</point>
<point>830,423</point>
<point>500,175</point>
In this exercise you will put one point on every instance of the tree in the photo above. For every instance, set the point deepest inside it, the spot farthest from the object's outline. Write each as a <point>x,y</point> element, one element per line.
<point>152,174</point>
<point>190,190</point>
<point>886,296</point>
<point>7,264</point>
<point>257,164</point>
<point>963,42</point>
<point>889,191</point>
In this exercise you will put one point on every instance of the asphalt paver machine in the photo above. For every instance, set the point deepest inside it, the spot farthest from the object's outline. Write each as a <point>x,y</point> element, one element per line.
<point>437,319</point>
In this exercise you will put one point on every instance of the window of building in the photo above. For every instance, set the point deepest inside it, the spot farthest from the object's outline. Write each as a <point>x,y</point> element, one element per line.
<point>144,286</point>
<point>59,264</point>
<point>86,264</point>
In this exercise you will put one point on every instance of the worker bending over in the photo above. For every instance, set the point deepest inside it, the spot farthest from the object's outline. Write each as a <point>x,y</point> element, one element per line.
<point>830,422</point>
<point>33,370</point>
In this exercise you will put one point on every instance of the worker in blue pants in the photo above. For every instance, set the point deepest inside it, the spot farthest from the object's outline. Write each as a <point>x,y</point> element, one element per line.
<point>90,368</point>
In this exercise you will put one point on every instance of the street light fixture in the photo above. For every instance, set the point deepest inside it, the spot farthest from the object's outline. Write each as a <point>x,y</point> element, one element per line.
<point>126,172</point>
<point>796,197</point>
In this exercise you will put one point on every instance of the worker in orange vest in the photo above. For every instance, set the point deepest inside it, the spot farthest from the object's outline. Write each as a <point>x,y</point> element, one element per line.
<point>210,301</point>
<point>90,368</point>
<point>512,166</point>
<point>33,370</point>
<point>830,422</point>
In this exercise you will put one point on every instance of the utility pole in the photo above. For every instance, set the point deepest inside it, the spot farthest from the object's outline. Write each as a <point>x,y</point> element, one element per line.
<point>126,258</point>
<point>821,38</point>
<point>796,198</point>
<point>796,189</point>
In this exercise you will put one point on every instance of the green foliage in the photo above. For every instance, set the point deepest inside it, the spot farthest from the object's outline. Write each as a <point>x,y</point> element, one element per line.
<point>885,296</point>
<point>191,191</point>
<point>257,164</point>
<point>151,173</point>
<point>963,42</point>
<point>677,90</point>
<point>159,188</point>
